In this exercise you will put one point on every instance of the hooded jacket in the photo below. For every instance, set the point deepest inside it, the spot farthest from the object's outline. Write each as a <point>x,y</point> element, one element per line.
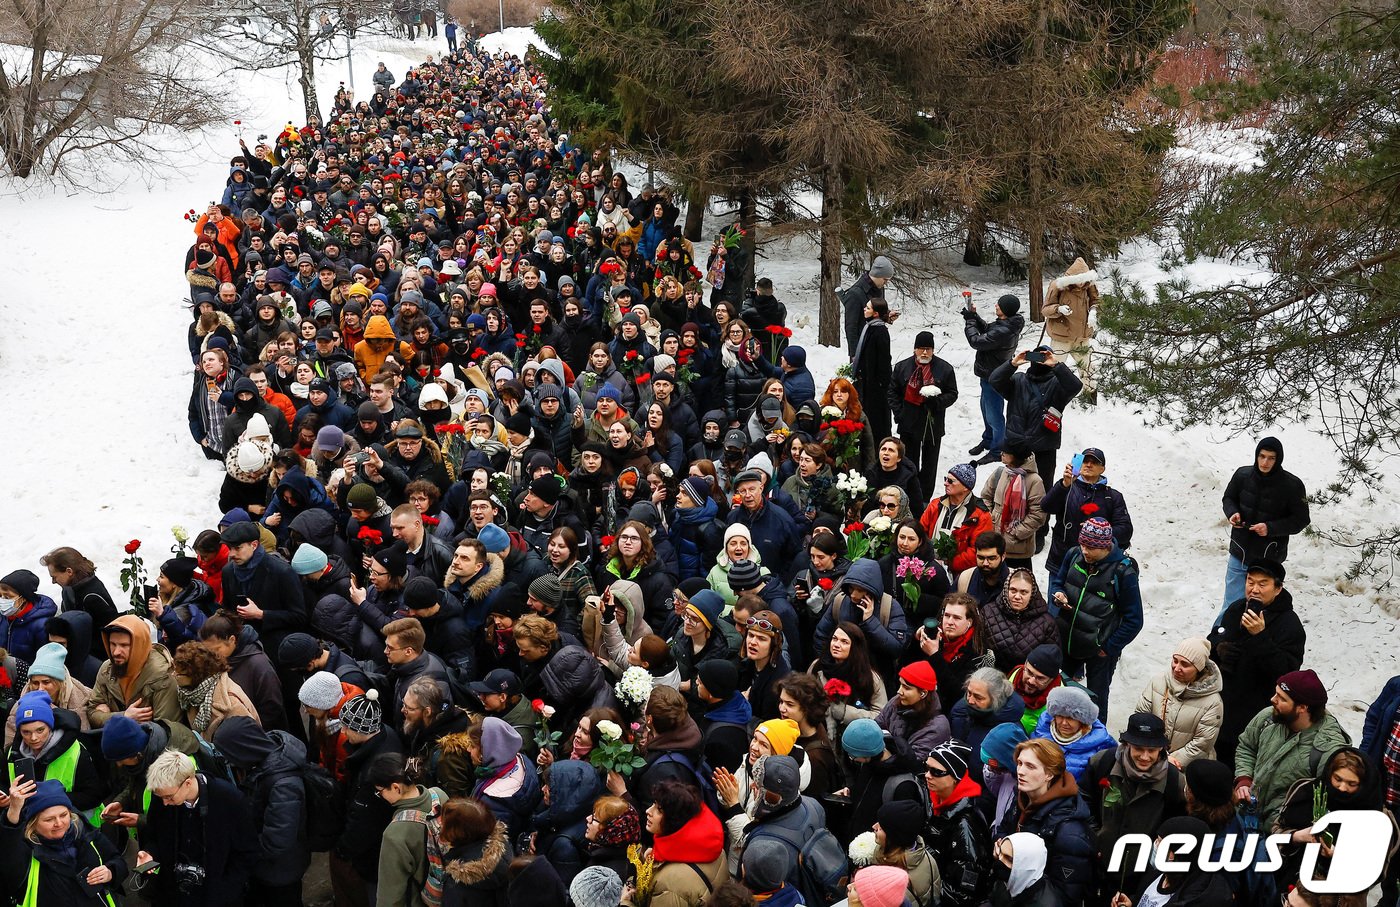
<point>477,873</point>
<point>251,669</point>
<point>1276,498</point>
<point>1013,634</point>
<point>887,638</point>
<point>573,786</point>
<point>271,765</point>
<point>699,841</point>
<point>1077,291</point>
<point>1060,817</point>
<point>148,677</point>
<point>369,360</point>
<point>1072,507</point>
<point>76,628</point>
<point>22,633</point>
<point>1192,712</point>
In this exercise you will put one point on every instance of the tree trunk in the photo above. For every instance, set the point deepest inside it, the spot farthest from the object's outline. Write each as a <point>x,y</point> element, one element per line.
<point>1035,255</point>
<point>829,321</point>
<point>974,250</point>
<point>306,68</point>
<point>695,213</point>
<point>748,222</point>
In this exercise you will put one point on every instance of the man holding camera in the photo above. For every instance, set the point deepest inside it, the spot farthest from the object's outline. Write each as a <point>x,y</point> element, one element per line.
<point>995,343</point>
<point>1035,404</point>
<point>1257,640</point>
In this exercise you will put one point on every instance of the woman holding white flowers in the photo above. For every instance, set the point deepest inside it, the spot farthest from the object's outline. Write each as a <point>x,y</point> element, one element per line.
<point>891,504</point>
<point>840,402</point>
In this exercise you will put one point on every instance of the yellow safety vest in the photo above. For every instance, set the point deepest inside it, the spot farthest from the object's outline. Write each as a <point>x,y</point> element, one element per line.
<point>31,885</point>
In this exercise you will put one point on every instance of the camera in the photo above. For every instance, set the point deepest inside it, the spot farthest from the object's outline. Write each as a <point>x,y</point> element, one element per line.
<point>189,878</point>
<point>930,626</point>
<point>1036,356</point>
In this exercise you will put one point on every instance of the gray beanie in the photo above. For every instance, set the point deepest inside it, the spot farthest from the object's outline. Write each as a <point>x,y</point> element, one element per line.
<point>320,691</point>
<point>1071,702</point>
<point>767,864</point>
<point>599,886</point>
<point>882,267</point>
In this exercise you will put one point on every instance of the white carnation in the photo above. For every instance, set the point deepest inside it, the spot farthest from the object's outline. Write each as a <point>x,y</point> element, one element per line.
<point>635,686</point>
<point>831,412</point>
<point>863,849</point>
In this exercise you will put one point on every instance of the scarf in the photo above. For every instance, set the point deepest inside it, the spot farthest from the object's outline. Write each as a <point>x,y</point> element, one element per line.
<point>576,753</point>
<point>1125,764</point>
<point>1066,741</point>
<point>201,698</point>
<point>1034,701</point>
<point>621,831</point>
<point>1013,502</point>
<point>919,378</point>
<point>61,854</point>
<point>951,651</point>
<point>246,572</point>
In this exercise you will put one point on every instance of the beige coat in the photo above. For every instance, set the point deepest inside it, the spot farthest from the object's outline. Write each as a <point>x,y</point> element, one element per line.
<point>1192,714</point>
<point>1077,291</point>
<point>229,700</point>
<point>73,696</point>
<point>678,885</point>
<point>1020,539</point>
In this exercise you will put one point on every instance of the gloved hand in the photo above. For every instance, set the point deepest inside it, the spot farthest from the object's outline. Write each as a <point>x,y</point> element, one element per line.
<point>1065,310</point>
<point>929,391</point>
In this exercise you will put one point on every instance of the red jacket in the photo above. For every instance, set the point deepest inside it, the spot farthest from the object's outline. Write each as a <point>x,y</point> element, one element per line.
<point>978,522</point>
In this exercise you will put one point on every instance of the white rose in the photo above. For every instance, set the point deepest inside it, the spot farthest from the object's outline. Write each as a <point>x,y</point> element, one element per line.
<point>831,412</point>
<point>609,730</point>
<point>880,524</point>
<point>930,391</point>
<point>547,712</point>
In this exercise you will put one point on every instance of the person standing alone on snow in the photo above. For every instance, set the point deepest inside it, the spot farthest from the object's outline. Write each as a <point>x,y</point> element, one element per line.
<point>1265,504</point>
<point>1068,305</point>
<point>921,389</point>
<point>995,343</point>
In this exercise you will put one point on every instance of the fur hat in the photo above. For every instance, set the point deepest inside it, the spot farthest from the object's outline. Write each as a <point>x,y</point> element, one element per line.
<point>1071,702</point>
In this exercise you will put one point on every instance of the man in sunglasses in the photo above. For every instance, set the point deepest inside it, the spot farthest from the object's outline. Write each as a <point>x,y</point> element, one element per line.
<point>958,837</point>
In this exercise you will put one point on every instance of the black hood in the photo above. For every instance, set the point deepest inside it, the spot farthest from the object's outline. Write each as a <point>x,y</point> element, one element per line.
<point>76,627</point>
<point>242,742</point>
<point>1273,444</point>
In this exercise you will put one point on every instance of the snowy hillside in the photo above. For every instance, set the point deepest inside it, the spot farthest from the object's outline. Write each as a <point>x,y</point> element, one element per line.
<point>97,381</point>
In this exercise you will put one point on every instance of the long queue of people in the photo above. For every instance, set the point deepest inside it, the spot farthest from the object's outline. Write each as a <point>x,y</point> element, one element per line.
<point>547,572</point>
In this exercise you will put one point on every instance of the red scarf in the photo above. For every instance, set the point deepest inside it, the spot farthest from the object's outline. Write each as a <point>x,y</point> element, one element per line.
<point>966,789</point>
<point>1034,701</point>
<point>952,650</point>
<point>920,377</point>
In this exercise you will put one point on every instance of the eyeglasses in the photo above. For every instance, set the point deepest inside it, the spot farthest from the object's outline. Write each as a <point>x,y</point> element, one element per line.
<point>378,574</point>
<point>937,772</point>
<point>629,537</point>
<point>761,623</point>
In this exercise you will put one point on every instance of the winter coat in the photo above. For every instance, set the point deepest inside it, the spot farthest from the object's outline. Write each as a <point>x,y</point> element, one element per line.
<point>1012,634</point>
<point>228,700</point>
<point>886,639</point>
<point>154,686</point>
<point>1276,498</point>
<point>868,786</point>
<point>403,858</point>
<point>1061,818</point>
<point>1078,753</point>
<point>1030,395</point>
<point>932,586</point>
<point>701,842</point>
<point>791,826</point>
<point>743,382</point>
<point>1020,539</point>
<point>198,600</point>
<point>1104,608</point>
<point>853,300</point>
<point>230,843</point>
<point>905,475</point>
<point>76,628</point>
<point>971,726</point>
<point>561,823</point>
<point>574,683</point>
<point>277,590</point>
<point>1380,718</point>
<point>774,532</point>
<point>274,785</point>
<point>252,670</point>
<point>57,884</point>
<point>91,595</point>
<point>968,521</point>
<point>995,342</point>
<point>87,787</point>
<point>476,873</point>
<point>925,419</point>
<point>24,632</point>
<point>589,382</point>
<point>698,535</point>
<point>1192,713</point>
<point>870,372</point>
<point>961,844</point>
<point>1074,506</point>
<point>1120,805</point>
<point>1077,291</point>
<point>1274,757</point>
<point>1251,664</point>
<point>922,737</point>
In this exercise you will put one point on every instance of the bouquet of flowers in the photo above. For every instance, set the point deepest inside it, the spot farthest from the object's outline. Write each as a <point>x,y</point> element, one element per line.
<point>850,488</point>
<point>614,753</point>
<point>843,440</point>
<point>910,570</point>
<point>134,577</point>
<point>634,689</point>
<point>857,544</point>
<point>544,737</point>
<point>880,532</point>
<point>776,332</point>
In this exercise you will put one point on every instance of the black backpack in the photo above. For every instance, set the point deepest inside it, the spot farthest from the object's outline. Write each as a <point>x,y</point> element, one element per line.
<point>822,866</point>
<point>702,774</point>
<point>325,808</point>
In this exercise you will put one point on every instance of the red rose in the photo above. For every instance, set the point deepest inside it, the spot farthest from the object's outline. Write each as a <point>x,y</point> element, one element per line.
<point>607,540</point>
<point>1105,783</point>
<point>370,535</point>
<point>536,329</point>
<point>478,353</point>
<point>837,687</point>
<point>537,705</point>
<point>775,329</point>
<point>1089,509</point>
<point>826,583</point>
<point>132,545</point>
<point>643,378</point>
<point>430,520</point>
<point>631,355</point>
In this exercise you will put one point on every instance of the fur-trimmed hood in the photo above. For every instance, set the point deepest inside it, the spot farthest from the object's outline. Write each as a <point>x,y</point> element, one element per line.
<point>224,321</point>
<point>1076,274</point>
<point>430,447</point>
<point>488,582</point>
<point>477,870</point>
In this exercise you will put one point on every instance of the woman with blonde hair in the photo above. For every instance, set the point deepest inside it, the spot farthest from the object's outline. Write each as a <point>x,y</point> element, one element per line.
<point>50,674</point>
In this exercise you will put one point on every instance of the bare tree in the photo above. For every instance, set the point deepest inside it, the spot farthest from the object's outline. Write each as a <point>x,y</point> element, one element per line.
<point>88,75</point>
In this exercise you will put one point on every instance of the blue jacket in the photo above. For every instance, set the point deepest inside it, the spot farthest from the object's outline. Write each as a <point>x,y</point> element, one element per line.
<point>573,786</point>
<point>23,634</point>
<point>1077,753</point>
<point>698,538</point>
<point>1379,719</point>
<point>886,641</point>
<point>774,532</point>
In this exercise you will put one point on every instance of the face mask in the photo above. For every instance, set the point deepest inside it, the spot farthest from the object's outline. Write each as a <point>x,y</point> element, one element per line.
<point>8,606</point>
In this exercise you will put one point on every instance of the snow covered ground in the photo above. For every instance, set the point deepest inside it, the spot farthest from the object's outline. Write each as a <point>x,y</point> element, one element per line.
<point>97,379</point>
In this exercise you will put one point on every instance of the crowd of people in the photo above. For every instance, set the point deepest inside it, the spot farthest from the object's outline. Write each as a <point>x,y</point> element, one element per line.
<point>547,572</point>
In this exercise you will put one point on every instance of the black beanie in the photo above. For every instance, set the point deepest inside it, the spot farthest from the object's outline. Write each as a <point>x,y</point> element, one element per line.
<point>1009,304</point>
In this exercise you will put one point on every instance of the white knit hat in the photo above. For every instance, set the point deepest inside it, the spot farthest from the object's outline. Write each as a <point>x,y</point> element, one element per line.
<point>320,691</point>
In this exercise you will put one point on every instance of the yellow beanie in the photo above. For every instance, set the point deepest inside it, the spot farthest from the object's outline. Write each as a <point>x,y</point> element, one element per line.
<point>781,733</point>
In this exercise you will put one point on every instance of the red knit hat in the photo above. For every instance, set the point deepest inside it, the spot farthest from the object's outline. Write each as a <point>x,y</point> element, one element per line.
<point>1304,688</point>
<point>920,674</point>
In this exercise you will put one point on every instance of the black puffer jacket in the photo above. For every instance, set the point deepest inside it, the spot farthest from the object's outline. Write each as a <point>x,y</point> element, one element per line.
<point>1029,395</point>
<point>1012,634</point>
<point>251,668</point>
<point>1061,818</point>
<point>575,683</point>
<point>271,766</point>
<point>961,843</point>
<point>366,815</point>
<point>1276,498</point>
<point>318,527</point>
<point>995,343</point>
<point>742,384</point>
<point>335,619</point>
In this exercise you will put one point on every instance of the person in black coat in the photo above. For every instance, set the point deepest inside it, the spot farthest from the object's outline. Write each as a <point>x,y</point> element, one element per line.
<point>262,587</point>
<point>40,827</point>
<point>477,863</point>
<point>870,367</point>
<point>893,467</point>
<point>995,343</point>
<point>1258,640</point>
<point>1195,885</point>
<point>871,285</point>
<point>355,856</point>
<point>1265,504</point>
<point>922,387</point>
<point>1035,403</point>
<point>82,591</point>
<point>1076,499</point>
<point>217,835</point>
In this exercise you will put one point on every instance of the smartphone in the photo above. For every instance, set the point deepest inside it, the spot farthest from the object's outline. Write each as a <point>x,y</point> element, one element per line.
<point>801,584</point>
<point>148,866</point>
<point>1075,462</point>
<point>24,767</point>
<point>1254,605</point>
<point>1037,356</point>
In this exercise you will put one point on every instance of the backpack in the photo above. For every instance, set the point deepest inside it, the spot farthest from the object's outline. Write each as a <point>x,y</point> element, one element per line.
<point>702,774</point>
<point>210,761</point>
<point>378,680</point>
<point>325,808</point>
<point>892,784</point>
<point>432,847</point>
<point>822,867</point>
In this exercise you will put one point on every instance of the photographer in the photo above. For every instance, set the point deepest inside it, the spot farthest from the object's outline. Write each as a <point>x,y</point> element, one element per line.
<point>1035,403</point>
<point>199,833</point>
<point>995,343</point>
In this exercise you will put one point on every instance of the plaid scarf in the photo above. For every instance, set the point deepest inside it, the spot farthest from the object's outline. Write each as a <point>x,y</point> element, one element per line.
<point>201,698</point>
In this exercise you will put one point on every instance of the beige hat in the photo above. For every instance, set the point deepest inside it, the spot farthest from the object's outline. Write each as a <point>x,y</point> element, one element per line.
<point>1194,650</point>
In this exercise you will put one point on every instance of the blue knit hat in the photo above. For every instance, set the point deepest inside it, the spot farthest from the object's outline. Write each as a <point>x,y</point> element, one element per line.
<point>47,794</point>
<point>966,473</point>
<point>796,356</point>
<point>49,661</point>
<point>610,392</point>
<point>863,739</point>
<point>496,539</point>
<point>709,606</point>
<point>34,706</point>
<point>308,560</point>
<point>1001,742</point>
<point>122,738</point>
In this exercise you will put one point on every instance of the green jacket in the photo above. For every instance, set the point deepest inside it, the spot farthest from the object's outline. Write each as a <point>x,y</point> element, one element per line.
<point>1274,757</point>
<point>155,686</point>
<point>403,858</point>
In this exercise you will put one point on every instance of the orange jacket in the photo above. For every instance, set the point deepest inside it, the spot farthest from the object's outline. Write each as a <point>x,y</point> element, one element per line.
<point>367,359</point>
<point>282,402</point>
<point>229,234</point>
<point>978,522</point>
